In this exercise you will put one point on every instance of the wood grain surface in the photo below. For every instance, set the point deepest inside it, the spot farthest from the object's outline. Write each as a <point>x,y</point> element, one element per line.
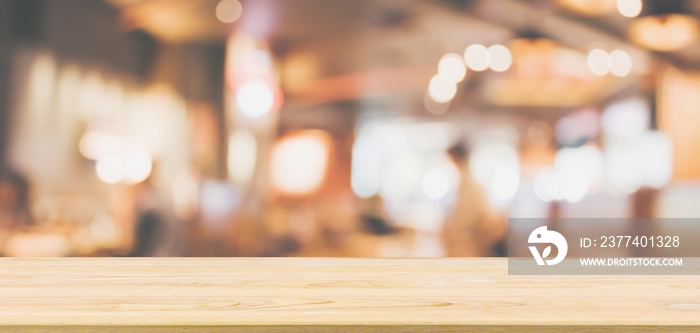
<point>330,294</point>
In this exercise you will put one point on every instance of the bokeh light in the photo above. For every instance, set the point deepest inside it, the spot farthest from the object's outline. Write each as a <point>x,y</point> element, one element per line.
<point>228,11</point>
<point>255,99</point>
<point>620,63</point>
<point>500,58</point>
<point>440,90</point>
<point>110,169</point>
<point>451,68</point>
<point>299,162</point>
<point>94,144</point>
<point>599,62</point>
<point>629,8</point>
<point>477,57</point>
<point>137,165</point>
<point>436,183</point>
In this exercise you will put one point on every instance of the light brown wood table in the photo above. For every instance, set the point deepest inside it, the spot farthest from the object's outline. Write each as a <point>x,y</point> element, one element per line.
<point>331,294</point>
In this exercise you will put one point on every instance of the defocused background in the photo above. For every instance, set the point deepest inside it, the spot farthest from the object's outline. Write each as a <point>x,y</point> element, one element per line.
<point>338,128</point>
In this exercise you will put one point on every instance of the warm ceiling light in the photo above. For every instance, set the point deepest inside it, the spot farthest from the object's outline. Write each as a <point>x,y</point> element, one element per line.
<point>300,162</point>
<point>228,11</point>
<point>255,99</point>
<point>664,32</point>
<point>590,7</point>
<point>629,8</point>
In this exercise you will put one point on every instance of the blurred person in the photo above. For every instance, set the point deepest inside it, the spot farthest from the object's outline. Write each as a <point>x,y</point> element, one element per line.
<point>374,219</point>
<point>465,233</point>
<point>14,201</point>
<point>157,232</point>
<point>377,235</point>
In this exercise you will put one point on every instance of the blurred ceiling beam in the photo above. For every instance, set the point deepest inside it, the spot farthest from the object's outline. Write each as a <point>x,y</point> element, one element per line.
<point>374,60</point>
<point>173,21</point>
<point>577,34</point>
<point>328,29</point>
<point>405,58</point>
<point>182,21</point>
<point>364,84</point>
<point>686,58</point>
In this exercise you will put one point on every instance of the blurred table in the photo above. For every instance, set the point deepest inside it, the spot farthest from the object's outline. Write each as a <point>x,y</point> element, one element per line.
<point>304,294</point>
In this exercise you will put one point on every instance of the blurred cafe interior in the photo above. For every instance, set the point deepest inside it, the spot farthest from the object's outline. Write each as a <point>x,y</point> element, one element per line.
<point>364,128</point>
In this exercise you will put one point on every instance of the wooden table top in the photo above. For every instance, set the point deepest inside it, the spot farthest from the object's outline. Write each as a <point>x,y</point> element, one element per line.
<point>306,294</point>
